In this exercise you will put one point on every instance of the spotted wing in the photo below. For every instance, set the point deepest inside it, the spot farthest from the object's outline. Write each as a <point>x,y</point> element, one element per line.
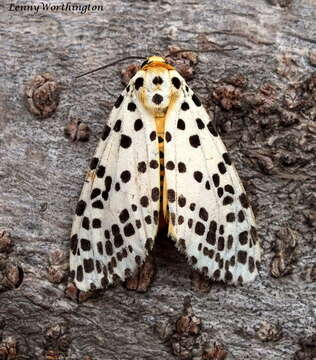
<point>117,215</point>
<point>210,217</point>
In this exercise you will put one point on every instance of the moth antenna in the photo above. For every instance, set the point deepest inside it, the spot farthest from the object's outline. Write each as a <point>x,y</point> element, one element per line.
<point>110,64</point>
<point>200,51</point>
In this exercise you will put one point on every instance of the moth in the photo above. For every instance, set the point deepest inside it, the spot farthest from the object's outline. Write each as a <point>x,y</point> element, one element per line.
<point>160,162</point>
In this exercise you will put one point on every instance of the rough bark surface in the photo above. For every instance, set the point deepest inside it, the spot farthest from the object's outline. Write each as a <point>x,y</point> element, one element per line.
<point>265,111</point>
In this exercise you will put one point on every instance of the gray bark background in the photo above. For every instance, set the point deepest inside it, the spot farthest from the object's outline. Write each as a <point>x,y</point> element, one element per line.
<point>270,136</point>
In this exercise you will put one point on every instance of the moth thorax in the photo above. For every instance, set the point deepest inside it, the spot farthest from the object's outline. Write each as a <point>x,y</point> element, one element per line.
<point>155,101</point>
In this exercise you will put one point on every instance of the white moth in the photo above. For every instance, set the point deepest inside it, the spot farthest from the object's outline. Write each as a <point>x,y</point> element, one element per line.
<point>161,162</point>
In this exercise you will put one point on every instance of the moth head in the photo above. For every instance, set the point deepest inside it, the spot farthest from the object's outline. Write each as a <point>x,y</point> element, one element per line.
<point>154,62</point>
<point>152,59</point>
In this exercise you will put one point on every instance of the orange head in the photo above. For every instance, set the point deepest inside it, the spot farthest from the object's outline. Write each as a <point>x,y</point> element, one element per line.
<point>156,62</point>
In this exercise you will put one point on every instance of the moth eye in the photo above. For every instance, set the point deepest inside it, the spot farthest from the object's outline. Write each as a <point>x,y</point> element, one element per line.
<point>144,63</point>
<point>157,99</point>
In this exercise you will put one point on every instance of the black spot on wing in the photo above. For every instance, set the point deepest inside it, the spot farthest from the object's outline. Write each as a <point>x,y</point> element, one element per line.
<point>125,176</point>
<point>171,195</point>
<point>118,102</point>
<point>251,264</point>
<point>221,168</point>
<point>118,240</point>
<point>200,123</point>
<point>198,176</point>
<point>144,201</point>
<point>212,129</point>
<point>85,244</point>
<point>185,106</point>
<point>131,107</point>
<point>194,141</point>
<point>126,141</point>
<point>244,200</point>
<point>129,230</point>
<point>79,273</point>
<point>243,237</point>
<point>242,256</point>
<point>148,219</point>
<point>229,246</point>
<point>98,204</point>
<point>96,223</point>
<point>216,179</point>
<point>95,193</point>
<point>199,228</point>
<point>108,248</point>
<point>181,124</point>
<point>86,223</point>
<point>182,201</point>
<point>105,195</point>
<point>176,82</point>
<point>220,192</point>
<point>153,136</point>
<point>168,136</point>
<point>241,216</point>
<point>228,200</point>
<point>139,82</point>
<point>117,126</point>
<point>196,100</point>
<point>228,188</point>
<point>108,183</point>
<point>154,164</point>
<point>181,167</point>
<point>220,243</point>
<point>138,124</point>
<point>142,167</point>
<point>203,214</point>
<point>227,159</point>
<point>106,132</point>
<point>230,217</point>
<point>115,229</point>
<point>94,162</point>
<point>170,165</point>
<point>124,216</point>
<point>155,194</point>
<point>81,206</point>
<point>101,171</point>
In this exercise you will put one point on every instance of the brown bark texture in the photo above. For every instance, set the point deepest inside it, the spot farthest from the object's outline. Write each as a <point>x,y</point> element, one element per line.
<point>262,95</point>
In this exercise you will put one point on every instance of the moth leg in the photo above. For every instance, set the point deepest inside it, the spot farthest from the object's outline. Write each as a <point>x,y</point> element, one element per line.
<point>200,282</point>
<point>143,278</point>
